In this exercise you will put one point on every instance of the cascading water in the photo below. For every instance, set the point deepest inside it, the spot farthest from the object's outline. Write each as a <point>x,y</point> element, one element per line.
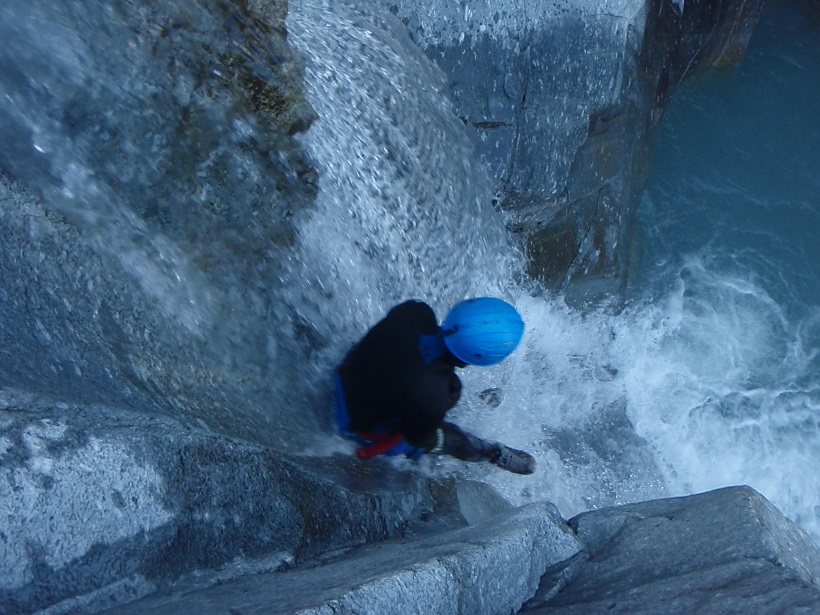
<point>722,372</point>
<point>186,283</point>
<point>403,212</point>
<point>708,378</point>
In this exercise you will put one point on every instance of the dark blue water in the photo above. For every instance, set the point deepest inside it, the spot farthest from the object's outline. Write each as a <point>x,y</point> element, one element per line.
<point>729,255</point>
<point>737,165</point>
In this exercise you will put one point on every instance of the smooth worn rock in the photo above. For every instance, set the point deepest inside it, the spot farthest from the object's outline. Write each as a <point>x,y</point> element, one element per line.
<point>492,566</point>
<point>726,551</point>
<point>103,506</point>
<point>149,183</point>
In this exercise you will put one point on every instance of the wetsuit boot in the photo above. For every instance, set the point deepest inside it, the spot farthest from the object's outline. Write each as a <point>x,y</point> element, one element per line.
<point>513,460</point>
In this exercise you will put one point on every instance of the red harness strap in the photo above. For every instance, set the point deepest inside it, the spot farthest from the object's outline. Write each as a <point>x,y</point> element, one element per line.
<point>381,443</point>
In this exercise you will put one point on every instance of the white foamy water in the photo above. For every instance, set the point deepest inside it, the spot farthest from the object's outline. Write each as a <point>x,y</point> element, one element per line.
<point>725,382</point>
<point>725,388</point>
<point>708,378</point>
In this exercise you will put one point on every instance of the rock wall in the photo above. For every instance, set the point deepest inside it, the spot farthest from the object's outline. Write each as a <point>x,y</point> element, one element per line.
<point>563,100</point>
<point>104,506</point>
<point>149,188</point>
<point>725,551</point>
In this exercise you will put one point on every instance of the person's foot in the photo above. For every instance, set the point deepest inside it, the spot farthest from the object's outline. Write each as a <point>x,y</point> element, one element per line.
<point>515,461</point>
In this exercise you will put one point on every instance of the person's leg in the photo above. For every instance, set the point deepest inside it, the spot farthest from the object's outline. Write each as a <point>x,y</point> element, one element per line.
<point>467,447</point>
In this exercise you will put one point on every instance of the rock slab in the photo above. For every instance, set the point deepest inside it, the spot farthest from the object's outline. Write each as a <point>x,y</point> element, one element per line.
<point>492,566</point>
<point>101,507</point>
<point>725,551</point>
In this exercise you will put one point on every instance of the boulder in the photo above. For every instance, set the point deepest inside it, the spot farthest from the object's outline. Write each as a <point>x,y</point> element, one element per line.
<point>725,551</point>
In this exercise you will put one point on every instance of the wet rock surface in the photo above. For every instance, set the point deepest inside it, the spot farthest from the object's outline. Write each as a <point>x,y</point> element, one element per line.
<point>149,188</point>
<point>103,506</point>
<point>725,551</point>
<point>563,101</point>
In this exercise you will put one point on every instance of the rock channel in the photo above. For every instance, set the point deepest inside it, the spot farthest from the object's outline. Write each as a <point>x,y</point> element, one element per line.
<point>563,100</point>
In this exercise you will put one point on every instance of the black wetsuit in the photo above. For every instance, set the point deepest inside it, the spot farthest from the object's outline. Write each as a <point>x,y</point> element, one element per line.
<point>385,377</point>
<point>401,374</point>
<point>394,388</point>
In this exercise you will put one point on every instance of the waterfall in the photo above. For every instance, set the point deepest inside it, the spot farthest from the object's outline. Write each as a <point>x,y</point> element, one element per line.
<point>708,378</point>
<point>170,256</point>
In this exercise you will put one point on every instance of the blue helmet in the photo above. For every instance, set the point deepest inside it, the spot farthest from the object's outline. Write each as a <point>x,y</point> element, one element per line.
<point>482,331</point>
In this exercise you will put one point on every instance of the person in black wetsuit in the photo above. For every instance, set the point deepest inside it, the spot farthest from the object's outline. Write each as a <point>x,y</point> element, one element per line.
<point>394,388</point>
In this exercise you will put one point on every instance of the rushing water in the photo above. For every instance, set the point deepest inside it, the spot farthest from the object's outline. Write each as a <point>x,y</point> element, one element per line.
<point>727,386</point>
<point>710,377</point>
<point>403,211</point>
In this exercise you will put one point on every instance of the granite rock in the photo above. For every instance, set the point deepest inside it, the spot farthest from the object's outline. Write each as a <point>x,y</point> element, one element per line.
<point>725,551</point>
<point>102,506</point>
<point>492,566</point>
<point>563,100</point>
